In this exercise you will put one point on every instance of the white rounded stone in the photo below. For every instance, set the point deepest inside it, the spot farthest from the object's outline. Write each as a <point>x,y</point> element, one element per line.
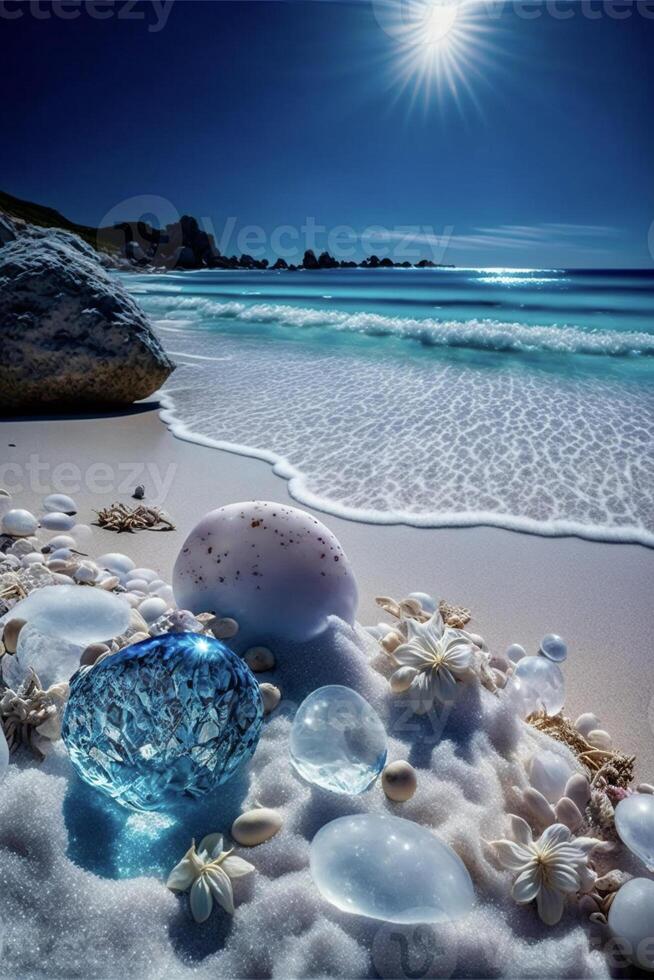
<point>56,521</point>
<point>399,781</point>
<point>136,585</point>
<point>144,573</point>
<point>631,921</point>
<point>60,503</point>
<point>271,696</point>
<point>278,571</point>
<point>5,502</point>
<point>256,826</point>
<point>116,563</point>
<point>549,773</point>
<point>19,523</point>
<point>587,723</point>
<point>60,554</point>
<point>515,652</point>
<point>387,868</point>
<point>74,612</point>
<point>152,608</point>
<point>61,541</point>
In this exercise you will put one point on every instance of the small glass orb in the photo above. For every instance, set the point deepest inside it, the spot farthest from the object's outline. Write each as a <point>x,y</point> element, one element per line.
<point>537,684</point>
<point>554,648</point>
<point>338,741</point>
<point>388,868</point>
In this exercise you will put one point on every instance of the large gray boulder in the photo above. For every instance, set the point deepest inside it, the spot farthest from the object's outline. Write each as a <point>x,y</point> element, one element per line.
<point>70,335</point>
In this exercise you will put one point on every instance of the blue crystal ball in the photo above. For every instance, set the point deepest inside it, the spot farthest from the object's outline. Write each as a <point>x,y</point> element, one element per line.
<point>169,717</point>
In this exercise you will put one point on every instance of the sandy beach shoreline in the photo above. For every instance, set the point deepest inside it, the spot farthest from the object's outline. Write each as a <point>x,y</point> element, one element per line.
<point>519,586</point>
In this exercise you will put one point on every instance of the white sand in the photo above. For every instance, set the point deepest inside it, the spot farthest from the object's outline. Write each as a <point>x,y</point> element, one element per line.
<point>597,596</point>
<point>65,915</point>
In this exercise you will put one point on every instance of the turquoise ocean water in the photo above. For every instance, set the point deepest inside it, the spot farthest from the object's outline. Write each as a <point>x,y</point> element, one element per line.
<point>517,398</point>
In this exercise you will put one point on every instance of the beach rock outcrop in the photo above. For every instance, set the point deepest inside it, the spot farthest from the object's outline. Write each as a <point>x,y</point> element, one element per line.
<point>71,336</point>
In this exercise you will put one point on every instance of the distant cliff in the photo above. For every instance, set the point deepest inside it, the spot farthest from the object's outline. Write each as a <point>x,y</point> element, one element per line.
<point>180,245</point>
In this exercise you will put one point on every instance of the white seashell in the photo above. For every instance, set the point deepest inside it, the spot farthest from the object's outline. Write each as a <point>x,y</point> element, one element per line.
<point>259,659</point>
<point>500,678</point>
<point>10,634</point>
<point>399,781</point>
<point>599,739</point>
<point>110,583</point>
<point>225,628</point>
<point>60,503</point>
<point>515,652</point>
<point>587,723</point>
<point>271,696</point>
<point>256,826</point>
<point>392,641</point>
<point>151,608</point>
<point>402,679</point>
<point>56,521</point>
<point>61,541</point>
<point>19,523</point>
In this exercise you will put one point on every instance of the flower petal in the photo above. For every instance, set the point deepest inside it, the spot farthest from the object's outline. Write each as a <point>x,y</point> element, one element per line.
<point>184,874</point>
<point>563,877</point>
<point>443,685</point>
<point>510,855</point>
<point>236,866</point>
<point>555,834</point>
<point>212,846</point>
<point>221,888</point>
<point>201,900</point>
<point>412,655</point>
<point>521,830</point>
<point>586,844</point>
<point>550,905</point>
<point>527,885</point>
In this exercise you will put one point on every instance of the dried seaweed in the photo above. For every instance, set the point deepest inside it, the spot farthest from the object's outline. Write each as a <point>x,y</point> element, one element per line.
<point>119,517</point>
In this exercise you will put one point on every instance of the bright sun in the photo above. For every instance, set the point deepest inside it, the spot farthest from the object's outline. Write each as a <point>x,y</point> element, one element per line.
<point>441,45</point>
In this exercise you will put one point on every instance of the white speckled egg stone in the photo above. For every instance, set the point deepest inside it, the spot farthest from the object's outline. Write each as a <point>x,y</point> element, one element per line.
<point>276,570</point>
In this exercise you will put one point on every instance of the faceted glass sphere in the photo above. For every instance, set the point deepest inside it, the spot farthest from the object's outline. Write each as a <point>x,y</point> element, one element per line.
<point>337,740</point>
<point>388,868</point>
<point>536,684</point>
<point>172,716</point>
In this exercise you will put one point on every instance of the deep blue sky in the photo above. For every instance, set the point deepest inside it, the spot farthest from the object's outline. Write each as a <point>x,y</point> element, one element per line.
<point>271,113</point>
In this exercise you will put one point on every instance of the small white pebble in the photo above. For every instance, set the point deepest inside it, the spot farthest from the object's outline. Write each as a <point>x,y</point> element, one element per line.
<point>19,523</point>
<point>271,697</point>
<point>137,585</point>
<point>223,628</point>
<point>151,608</point>
<point>59,502</point>
<point>645,788</point>
<point>57,522</point>
<point>259,659</point>
<point>399,781</point>
<point>587,723</point>
<point>515,652</point>
<point>599,739</point>
<point>61,541</point>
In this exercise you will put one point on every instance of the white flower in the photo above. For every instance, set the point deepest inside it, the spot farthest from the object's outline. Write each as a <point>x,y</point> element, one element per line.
<point>207,872</point>
<point>548,869</point>
<point>432,660</point>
